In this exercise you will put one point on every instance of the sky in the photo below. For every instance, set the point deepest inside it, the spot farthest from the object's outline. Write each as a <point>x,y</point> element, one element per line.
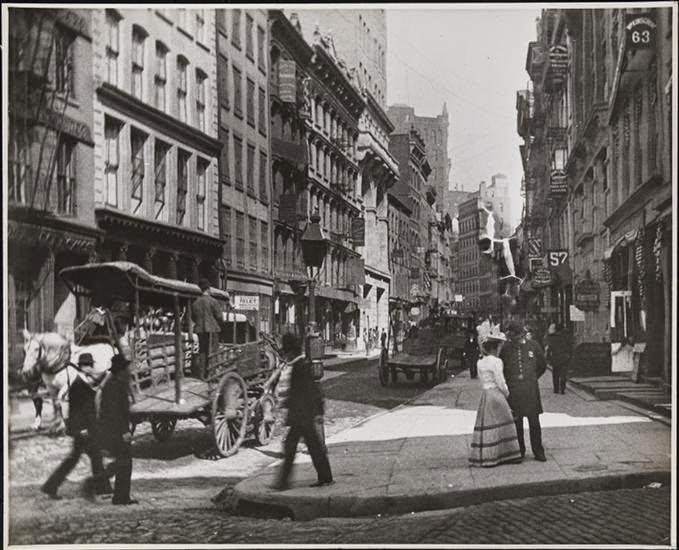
<point>473,59</point>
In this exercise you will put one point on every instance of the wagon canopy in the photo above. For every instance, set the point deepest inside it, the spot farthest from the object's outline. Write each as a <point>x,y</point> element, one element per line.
<point>121,279</point>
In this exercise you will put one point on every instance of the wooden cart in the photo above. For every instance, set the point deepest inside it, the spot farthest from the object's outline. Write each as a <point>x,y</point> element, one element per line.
<point>427,353</point>
<point>236,395</point>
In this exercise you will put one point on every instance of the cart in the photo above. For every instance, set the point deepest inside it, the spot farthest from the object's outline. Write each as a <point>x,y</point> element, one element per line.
<point>235,395</point>
<point>422,354</point>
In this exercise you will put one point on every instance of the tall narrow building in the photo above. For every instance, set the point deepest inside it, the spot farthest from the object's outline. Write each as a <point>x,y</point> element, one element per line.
<point>242,59</point>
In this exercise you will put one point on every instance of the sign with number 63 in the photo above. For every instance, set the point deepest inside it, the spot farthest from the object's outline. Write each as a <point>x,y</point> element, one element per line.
<point>557,257</point>
<point>640,30</point>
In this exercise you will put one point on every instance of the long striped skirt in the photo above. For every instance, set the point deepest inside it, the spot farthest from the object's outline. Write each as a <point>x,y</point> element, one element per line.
<point>494,440</point>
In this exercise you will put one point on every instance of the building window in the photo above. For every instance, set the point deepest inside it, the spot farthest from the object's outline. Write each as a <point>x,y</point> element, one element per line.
<point>237,92</point>
<point>201,78</point>
<point>112,46</point>
<point>249,51</point>
<point>19,166</point>
<point>253,242</point>
<point>226,231</point>
<point>111,133</point>
<point>220,16</point>
<point>63,46</point>
<point>161,76</point>
<point>66,177</point>
<point>138,39</point>
<point>263,169</point>
<point>200,26</point>
<point>160,176</point>
<point>251,169</point>
<point>261,40</point>
<point>238,161</point>
<point>182,184</point>
<point>250,98</point>
<point>137,140</point>
<point>235,28</point>
<point>262,111</point>
<point>223,85</point>
<point>201,186</point>
<point>224,157</point>
<point>182,87</point>
<point>240,240</point>
<point>265,245</point>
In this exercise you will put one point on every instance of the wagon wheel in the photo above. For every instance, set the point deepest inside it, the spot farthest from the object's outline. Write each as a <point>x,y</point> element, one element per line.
<point>230,413</point>
<point>384,368</point>
<point>265,419</point>
<point>424,375</point>
<point>163,428</point>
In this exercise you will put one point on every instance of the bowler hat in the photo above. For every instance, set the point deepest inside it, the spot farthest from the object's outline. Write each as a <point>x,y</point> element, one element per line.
<point>85,359</point>
<point>514,328</point>
<point>119,361</point>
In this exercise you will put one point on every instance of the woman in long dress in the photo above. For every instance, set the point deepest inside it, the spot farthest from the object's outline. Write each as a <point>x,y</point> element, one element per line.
<point>494,440</point>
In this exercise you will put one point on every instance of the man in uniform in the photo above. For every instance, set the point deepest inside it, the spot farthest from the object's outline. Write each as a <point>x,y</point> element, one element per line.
<point>207,316</point>
<point>524,363</point>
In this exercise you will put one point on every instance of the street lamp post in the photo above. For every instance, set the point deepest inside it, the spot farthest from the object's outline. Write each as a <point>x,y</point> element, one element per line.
<point>314,249</point>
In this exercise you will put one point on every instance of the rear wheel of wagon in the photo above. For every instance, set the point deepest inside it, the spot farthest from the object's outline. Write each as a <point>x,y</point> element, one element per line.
<point>265,419</point>
<point>424,375</point>
<point>163,428</point>
<point>230,413</point>
<point>384,368</point>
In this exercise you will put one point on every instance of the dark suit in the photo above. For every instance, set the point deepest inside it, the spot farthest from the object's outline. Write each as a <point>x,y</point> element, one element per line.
<point>524,363</point>
<point>305,406</point>
<point>114,422</point>
<point>206,314</point>
<point>81,426</point>
<point>559,352</point>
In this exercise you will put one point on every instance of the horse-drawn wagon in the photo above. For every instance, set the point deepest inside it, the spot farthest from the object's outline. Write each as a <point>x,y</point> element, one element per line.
<point>427,351</point>
<point>235,393</point>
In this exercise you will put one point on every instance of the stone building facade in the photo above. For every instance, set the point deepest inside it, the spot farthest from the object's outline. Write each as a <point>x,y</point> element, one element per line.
<point>49,194</point>
<point>360,40</point>
<point>434,132</point>
<point>156,148</point>
<point>245,217</point>
<point>469,256</point>
<point>596,126</point>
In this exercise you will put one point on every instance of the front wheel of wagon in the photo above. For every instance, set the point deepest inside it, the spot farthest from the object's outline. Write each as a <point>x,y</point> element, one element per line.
<point>163,428</point>
<point>230,413</point>
<point>265,420</point>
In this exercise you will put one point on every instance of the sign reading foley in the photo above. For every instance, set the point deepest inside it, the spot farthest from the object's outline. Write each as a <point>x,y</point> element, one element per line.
<point>587,295</point>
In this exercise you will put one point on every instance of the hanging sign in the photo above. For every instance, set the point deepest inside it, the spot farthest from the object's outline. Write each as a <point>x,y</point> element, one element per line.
<point>558,61</point>
<point>576,315</point>
<point>555,258</point>
<point>542,277</point>
<point>587,295</point>
<point>558,183</point>
<point>640,31</point>
<point>287,81</point>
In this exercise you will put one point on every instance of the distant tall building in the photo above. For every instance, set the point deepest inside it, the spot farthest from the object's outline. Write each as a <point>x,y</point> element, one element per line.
<point>434,132</point>
<point>497,194</point>
<point>360,39</point>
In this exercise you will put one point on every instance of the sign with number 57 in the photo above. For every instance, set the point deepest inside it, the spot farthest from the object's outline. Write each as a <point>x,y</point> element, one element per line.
<point>557,257</point>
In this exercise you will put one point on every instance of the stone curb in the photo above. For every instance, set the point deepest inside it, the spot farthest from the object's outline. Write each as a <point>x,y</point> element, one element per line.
<point>304,508</point>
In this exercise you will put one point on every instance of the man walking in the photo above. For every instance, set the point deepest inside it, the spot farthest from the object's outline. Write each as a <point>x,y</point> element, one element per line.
<point>305,405</point>
<point>114,432</point>
<point>558,353</point>
<point>81,425</point>
<point>524,363</point>
<point>206,314</point>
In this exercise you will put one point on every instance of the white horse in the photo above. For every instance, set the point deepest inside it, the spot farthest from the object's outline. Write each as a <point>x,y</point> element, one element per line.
<point>54,358</point>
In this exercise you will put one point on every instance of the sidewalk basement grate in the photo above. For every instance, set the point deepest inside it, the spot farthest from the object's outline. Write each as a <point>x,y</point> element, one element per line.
<point>591,468</point>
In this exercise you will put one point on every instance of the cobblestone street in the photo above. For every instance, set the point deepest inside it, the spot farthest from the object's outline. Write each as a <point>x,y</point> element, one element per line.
<point>634,516</point>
